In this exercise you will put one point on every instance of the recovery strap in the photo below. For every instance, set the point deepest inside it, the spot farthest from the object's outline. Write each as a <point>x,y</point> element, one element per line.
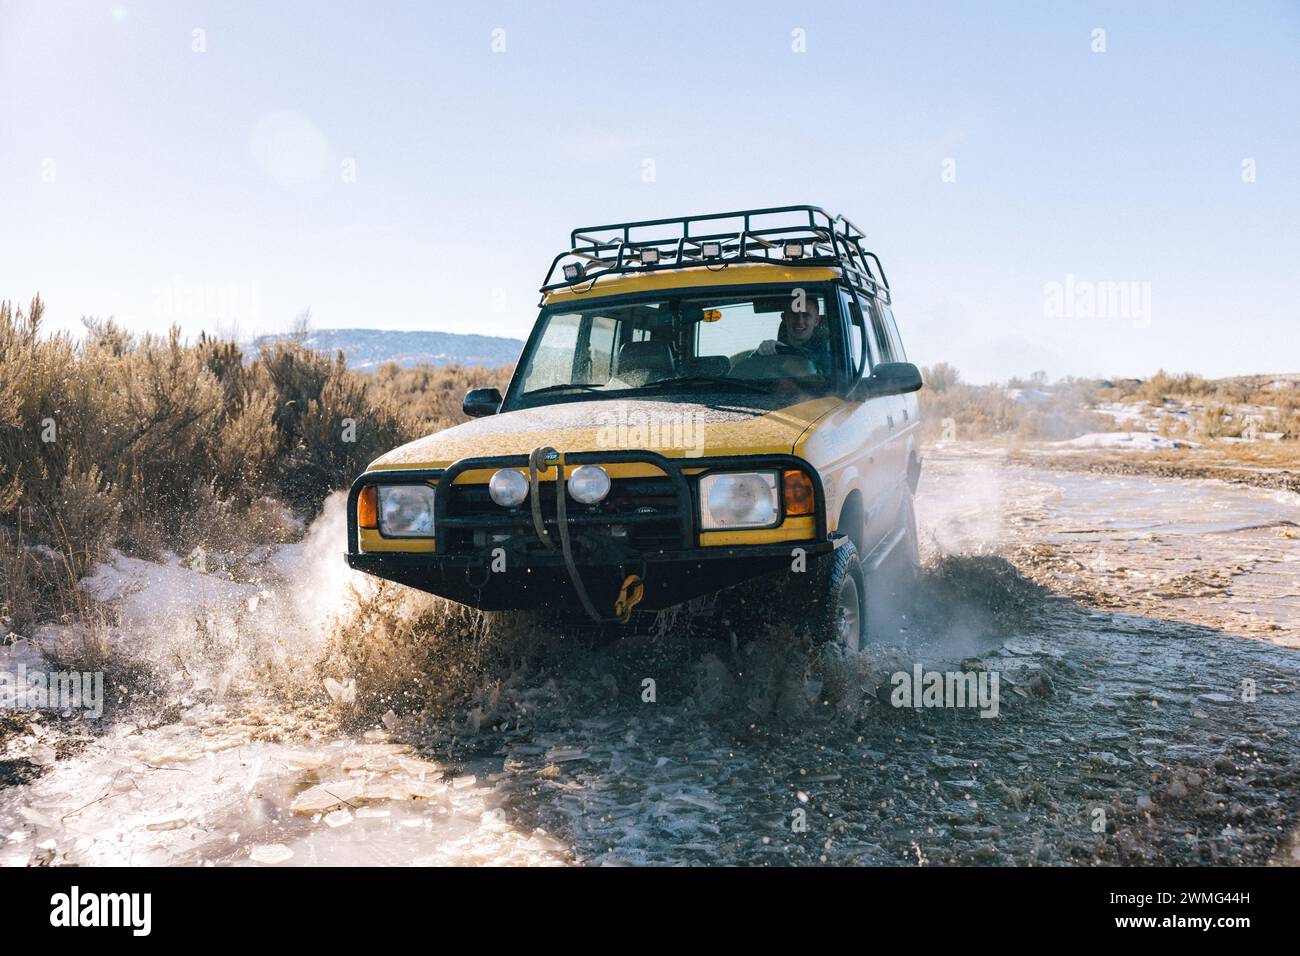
<point>633,590</point>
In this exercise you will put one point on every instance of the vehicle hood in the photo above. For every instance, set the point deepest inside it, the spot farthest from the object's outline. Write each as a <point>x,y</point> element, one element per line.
<point>754,425</point>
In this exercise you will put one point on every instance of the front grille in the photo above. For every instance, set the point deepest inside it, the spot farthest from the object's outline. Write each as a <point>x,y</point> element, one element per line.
<point>651,499</point>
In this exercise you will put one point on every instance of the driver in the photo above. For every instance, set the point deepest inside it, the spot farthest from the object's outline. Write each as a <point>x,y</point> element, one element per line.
<point>802,332</point>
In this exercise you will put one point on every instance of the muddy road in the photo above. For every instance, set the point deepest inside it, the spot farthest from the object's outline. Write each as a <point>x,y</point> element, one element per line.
<point>1145,633</point>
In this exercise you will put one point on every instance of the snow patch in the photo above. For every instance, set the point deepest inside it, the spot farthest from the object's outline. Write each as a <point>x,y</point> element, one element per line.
<point>1140,441</point>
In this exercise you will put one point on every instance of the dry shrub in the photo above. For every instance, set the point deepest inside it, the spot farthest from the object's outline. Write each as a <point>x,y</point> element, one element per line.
<point>432,396</point>
<point>411,652</point>
<point>161,423</point>
<point>82,521</point>
<point>158,426</point>
<point>983,411</point>
<point>331,426</point>
<point>1216,421</point>
<point>27,592</point>
<point>219,524</point>
<point>158,444</point>
<point>38,585</point>
<point>244,455</point>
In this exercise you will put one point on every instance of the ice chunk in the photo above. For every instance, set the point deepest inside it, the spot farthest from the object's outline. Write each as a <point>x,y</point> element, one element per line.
<point>32,815</point>
<point>561,754</point>
<point>341,693</point>
<point>271,854</point>
<point>326,796</point>
<point>306,760</point>
<point>172,823</point>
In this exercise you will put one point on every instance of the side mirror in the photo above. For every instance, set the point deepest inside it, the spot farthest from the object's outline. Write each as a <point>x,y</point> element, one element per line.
<point>482,401</point>
<point>890,378</point>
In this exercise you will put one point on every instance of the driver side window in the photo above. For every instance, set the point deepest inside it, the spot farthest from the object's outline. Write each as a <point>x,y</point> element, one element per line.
<point>857,329</point>
<point>884,345</point>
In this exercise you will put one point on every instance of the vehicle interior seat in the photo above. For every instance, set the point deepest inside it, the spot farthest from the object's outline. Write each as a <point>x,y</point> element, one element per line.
<point>642,362</point>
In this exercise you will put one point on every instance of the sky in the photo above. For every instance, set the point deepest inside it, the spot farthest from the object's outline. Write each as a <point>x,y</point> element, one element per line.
<point>1077,188</point>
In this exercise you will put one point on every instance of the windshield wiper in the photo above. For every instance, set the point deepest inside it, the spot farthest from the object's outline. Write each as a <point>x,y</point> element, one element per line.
<point>698,380</point>
<point>561,387</point>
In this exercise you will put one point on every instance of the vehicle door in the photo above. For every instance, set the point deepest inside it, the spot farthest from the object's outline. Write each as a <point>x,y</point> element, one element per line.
<point>851,444</point>
<point>899,410</point>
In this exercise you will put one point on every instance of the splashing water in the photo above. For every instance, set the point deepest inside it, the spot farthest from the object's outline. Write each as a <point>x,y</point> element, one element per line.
<point>452,737</point>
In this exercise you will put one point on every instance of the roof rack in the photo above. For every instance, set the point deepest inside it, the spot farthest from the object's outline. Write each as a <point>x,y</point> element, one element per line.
<point>810,236</point>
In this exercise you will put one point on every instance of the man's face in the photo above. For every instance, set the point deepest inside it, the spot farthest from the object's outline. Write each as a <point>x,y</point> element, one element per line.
<point>800,325</point>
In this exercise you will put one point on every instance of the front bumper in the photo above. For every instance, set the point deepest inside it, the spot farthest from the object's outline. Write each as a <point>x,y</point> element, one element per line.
<point>670,577</point>
<point>513,572</point>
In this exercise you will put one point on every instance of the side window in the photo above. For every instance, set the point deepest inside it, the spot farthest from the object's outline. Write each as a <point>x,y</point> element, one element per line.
<point>857,329</point>
<point>891,328</point>
<point>884,347</point>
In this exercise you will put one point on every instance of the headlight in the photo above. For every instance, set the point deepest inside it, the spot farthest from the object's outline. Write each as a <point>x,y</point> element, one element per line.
<point>589,484</point>
<point>406,511</point>
<point>739,500</point>
<point>508,488</point>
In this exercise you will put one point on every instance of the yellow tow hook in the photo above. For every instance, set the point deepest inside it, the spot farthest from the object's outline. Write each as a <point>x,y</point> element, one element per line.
<point>629,597</point>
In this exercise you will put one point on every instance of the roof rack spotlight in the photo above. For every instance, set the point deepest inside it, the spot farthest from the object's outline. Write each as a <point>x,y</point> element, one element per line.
<point>807,237</point>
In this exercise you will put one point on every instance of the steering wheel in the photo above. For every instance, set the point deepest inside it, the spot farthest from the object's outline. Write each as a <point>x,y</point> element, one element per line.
<point>787,362</point>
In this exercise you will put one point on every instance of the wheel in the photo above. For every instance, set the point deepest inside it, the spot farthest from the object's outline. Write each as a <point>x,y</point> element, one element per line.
<point>848,616</point>
<point>832,606</point>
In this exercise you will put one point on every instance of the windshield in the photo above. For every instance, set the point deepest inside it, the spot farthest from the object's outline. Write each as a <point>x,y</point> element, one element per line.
<point>771,342</point>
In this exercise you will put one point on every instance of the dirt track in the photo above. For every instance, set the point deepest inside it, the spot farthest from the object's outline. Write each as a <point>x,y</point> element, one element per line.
<point>1126,622</point>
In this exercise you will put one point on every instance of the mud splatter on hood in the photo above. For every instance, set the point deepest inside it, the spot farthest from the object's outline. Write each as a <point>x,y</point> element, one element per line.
<point>756,424</point>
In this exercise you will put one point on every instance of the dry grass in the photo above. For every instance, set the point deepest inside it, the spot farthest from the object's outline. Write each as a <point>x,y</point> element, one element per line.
<point>156,443</point>
<point>411,652</point>
<point>1187,386</point>
<point>430,395</point>
<point>954,410</point>
<point>1223,408</point>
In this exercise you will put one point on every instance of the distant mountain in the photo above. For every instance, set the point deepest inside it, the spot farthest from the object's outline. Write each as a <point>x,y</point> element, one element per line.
<point>367,349</point>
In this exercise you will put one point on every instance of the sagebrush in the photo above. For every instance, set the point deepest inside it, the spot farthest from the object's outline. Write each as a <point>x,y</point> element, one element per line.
<point>157,443</point>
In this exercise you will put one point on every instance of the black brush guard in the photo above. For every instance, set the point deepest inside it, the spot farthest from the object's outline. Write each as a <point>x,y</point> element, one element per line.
<point>538,577</point>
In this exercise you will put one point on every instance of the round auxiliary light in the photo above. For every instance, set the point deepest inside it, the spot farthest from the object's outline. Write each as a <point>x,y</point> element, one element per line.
<point>508,488</point>
<point>589,484</point>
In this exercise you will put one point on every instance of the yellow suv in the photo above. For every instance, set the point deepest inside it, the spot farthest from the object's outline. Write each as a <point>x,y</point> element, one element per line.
<point>703,401</point>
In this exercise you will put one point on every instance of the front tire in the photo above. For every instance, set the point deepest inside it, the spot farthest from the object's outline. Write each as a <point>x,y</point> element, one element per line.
<point>833,611</point>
